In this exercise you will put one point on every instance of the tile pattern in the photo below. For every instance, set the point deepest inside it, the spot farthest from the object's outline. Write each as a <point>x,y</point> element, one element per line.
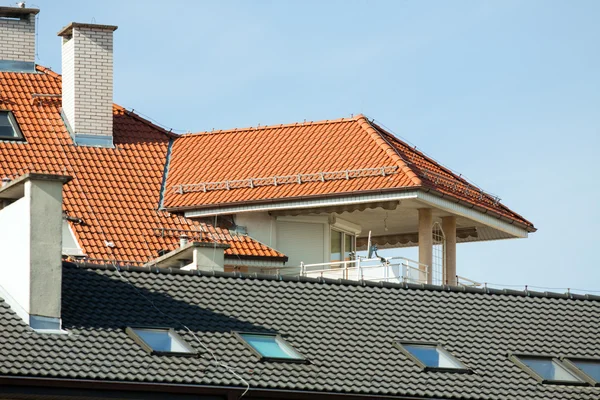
<point>345,329</point>
<point>304,148</point>
<point>115,191</point>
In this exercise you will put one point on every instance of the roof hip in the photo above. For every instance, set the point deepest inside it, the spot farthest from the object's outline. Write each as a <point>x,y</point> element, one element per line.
<point>388,149</point>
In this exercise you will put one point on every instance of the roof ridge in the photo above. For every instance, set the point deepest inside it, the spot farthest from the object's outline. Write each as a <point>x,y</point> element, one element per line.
<point>275,126</point>
<point>388,149</point>
<point>339,282</point>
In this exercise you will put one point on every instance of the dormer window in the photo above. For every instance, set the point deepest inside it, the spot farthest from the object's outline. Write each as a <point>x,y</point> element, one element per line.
<point>9,129</point>
<point>161,341</point>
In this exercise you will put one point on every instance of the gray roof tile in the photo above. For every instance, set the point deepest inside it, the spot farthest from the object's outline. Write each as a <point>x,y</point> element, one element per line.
<point>345,330</point>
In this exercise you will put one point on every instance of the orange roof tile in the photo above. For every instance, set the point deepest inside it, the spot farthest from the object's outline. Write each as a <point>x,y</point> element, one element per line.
<point>224,162</point>
<point>115,191</point>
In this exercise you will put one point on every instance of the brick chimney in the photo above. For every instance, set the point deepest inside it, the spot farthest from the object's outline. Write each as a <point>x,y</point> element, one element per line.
<point>17,39</point>
<point>87,82</point>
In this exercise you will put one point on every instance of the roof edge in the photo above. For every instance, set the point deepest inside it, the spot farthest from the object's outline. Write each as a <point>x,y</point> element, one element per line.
<point>274,126</point>
<point>378,138</point>
<point>339,282</point>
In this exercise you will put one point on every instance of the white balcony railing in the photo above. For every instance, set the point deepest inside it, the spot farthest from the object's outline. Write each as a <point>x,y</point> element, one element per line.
<point>389,269</point>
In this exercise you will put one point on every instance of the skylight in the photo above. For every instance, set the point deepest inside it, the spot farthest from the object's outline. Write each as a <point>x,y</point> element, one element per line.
<point>547,370</point>
<point>161,341</point>
<point>9,129</point>
<point>589,368</point>
<point>432,357</point>
<point>270,347</point>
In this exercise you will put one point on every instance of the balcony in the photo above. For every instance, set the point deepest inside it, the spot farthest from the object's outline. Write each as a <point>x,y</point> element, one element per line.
<point>380,269</point>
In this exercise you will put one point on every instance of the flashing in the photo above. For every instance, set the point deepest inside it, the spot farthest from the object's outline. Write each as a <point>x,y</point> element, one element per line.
<point>17,66</point>
<point>46,325</point>
<point>94,140</point>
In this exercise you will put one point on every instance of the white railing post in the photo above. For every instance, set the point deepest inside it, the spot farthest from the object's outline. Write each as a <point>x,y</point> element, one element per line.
<point>358,269</point>
<point>302,271</point>
<point>345,269</point>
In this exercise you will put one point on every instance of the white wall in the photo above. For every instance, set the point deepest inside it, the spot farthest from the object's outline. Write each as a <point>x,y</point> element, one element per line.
<point>260,225</point>
<point>15,257</point>
<point>70,247</point>
<point>302,241</point>
<point>30,247</point>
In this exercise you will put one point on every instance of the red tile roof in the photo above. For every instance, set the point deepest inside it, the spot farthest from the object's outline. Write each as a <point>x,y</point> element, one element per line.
<point>224,162</point>
<point>115,191</point>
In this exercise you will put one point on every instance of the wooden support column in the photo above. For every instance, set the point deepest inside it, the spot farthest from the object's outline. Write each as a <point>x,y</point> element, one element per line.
<point>449,228</point>
<point>426,244</point>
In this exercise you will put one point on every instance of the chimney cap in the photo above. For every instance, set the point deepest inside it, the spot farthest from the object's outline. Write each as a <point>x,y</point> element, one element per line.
<point>17,12</point>
<point>68,30</point>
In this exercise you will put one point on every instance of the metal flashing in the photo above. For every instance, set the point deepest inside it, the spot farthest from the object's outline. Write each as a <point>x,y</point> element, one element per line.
<point>94,140</point>
<point>17,66</point>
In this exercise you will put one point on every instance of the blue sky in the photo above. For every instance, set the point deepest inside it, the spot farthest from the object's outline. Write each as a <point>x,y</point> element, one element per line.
<point>505,92</point>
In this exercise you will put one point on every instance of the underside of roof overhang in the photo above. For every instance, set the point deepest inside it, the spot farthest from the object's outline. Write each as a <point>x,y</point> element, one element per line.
<point>390,216</point>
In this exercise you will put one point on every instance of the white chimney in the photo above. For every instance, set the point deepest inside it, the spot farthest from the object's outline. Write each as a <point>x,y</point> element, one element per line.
<point>31,248</point>
<point>87,82</point>
<point>17,39</point>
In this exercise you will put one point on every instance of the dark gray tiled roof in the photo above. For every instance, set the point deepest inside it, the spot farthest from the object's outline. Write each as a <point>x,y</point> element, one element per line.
<point>346,330</point>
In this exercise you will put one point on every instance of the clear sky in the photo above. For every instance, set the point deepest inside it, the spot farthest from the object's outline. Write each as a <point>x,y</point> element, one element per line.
<point>505,92</point>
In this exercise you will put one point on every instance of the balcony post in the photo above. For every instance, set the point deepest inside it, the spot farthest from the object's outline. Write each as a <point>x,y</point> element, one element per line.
<point>425,244</point>
<point>449,228</point>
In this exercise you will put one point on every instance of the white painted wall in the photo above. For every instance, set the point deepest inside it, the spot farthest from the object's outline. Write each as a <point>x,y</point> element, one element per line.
<point>301,238</point>
<point>14,250</point>
<point>70,247</point>
<point>302,241</point>
<point>260,225</point>
<point>30,247</point>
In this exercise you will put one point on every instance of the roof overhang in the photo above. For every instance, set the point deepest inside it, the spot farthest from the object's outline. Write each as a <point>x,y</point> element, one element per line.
<point>426,196</point>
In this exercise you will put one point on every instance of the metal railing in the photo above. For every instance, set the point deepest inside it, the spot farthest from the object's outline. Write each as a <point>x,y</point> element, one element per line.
<point>388,269</point>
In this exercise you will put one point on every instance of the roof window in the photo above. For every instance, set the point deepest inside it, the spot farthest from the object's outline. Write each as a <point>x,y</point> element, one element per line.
<point>589,369</point>
<point>270,347</point>
<point>9,129</point>
<point>547,370</point>
<point>160,341</point>
<point>432,357</point>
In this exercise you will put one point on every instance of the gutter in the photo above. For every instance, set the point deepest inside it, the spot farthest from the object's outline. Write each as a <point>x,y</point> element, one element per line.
<point>285,200</point>
<point>58,387</point>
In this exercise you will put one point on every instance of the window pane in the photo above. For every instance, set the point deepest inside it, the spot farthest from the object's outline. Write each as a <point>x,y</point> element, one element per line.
<point>7,131</point>
<point>591,368</point>
<point>161,340</point>
<point>348,247</point>
<point>433,357</point>
<point>548,369</point>
<point>336,245</point>
<point>269,346</point>
<point>6,128</point>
